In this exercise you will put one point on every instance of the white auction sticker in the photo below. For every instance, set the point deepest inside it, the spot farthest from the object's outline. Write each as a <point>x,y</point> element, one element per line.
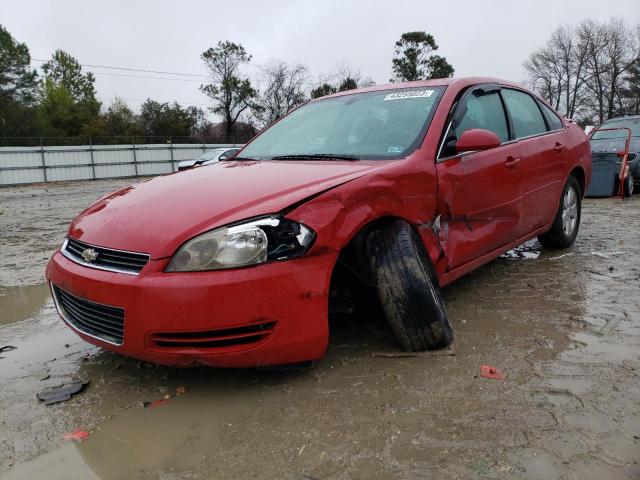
<point>403,94</point>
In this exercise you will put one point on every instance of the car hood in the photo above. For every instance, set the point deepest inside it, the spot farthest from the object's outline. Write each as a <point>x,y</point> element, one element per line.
<point>158,215</point>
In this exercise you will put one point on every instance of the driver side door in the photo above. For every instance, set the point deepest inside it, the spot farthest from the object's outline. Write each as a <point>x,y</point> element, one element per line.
<point>479,192</point>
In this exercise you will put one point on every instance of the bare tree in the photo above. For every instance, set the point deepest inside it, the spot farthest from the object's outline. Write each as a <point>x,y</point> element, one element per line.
<point>557,71</point>
<point>284,89</point>
<point>582,70</point>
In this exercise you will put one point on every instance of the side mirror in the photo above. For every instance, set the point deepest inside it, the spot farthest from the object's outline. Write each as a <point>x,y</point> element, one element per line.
<point>477,139</point>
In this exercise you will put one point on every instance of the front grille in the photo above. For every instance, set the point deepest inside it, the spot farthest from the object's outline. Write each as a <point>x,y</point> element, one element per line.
<point>101,321</point>
<point>228,337</point>
<point>105,258</point>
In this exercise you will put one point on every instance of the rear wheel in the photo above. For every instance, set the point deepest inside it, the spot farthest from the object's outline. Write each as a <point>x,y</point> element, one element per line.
<point>628,185</point>
<point>564,230</point>
<point>408,288</point>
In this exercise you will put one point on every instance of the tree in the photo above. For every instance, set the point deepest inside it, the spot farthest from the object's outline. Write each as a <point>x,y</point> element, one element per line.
<point>230,93</point>
<point>169,119</point>
<point>322,90</point>
<point>59,114</point>
<point>414,59</point>
<point>18,87</point>
<point>283,90</point>
<point>557,71</point>
<point>18,81</point>
<point>347,77</point>
<point>67,103</point>
<point>582,71</point>
<point>630,93</point>
<point>65,71</point>
<point>348,84</point>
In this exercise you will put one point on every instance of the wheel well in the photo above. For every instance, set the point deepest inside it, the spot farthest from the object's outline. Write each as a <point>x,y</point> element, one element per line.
<point>579,174</point>
<point>351,276</point>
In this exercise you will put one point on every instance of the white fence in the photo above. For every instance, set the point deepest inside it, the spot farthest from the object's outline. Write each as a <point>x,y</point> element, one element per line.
<point>19,165</point>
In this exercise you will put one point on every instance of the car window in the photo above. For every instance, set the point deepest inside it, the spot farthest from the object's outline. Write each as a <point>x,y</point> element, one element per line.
<point>525,115</point>
<point>632,123</point>
<point>615,140</point>
<point>210,155</point>
<point>227,154</point>
<point>479,110</point>
<point>554,121</point>
<point>483,111</point>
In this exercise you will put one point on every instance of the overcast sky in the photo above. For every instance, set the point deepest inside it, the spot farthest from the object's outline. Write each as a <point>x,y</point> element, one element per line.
<point>479,38</point>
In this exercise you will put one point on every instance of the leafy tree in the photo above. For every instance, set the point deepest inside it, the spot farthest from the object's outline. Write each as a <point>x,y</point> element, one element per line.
<point>18,81</point>
<point>414,59</point>
<point>322,90</point>
<point>68,101</point>
<point>231,93</point>
<point>120,119</point>
<point>170,119</point>
<point>347,84</point>
<point>64,70</point>
<point>118,124</point>
<point>59,114</point>
<point>18,86</point>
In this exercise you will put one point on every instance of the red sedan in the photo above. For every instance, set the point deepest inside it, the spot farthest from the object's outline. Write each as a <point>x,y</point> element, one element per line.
<point>385,193</point>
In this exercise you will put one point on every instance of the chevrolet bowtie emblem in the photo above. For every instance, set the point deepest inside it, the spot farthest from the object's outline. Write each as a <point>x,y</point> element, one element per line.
<point>89,254</point>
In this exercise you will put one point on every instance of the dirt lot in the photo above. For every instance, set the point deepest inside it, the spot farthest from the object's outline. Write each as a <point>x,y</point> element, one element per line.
<point>564,326</point>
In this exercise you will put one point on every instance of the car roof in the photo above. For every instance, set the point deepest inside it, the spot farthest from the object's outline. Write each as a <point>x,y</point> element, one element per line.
<point>437,82</point>
<point>624,117</point>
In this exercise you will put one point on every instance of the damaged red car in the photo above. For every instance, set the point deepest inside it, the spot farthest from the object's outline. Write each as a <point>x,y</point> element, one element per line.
<point>403,187</point>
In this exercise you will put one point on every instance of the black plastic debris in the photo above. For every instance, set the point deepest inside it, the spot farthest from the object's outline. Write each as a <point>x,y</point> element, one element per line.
<point>7,348</point>
<point>61,393</point>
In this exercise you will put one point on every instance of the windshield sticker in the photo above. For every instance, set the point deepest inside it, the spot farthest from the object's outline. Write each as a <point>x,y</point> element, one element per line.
<point>402,95</point>
<point>395,149</point>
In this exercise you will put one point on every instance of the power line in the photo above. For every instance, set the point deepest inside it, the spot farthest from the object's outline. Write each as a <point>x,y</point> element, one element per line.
<point>145,76</point>
<point>133,69</point>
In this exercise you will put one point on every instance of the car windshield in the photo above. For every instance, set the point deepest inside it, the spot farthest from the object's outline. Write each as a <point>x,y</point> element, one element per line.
<point>210,155</point>
<point>374,125</point>
<point>614,140</point>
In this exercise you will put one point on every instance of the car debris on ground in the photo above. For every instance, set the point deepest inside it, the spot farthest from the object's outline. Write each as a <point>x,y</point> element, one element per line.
<point>61,393</point>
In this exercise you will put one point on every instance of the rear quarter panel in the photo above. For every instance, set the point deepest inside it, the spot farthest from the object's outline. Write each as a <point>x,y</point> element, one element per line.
<point>578,152</point>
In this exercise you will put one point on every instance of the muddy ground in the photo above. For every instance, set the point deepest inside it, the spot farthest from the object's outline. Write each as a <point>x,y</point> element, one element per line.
<point>563,326</point>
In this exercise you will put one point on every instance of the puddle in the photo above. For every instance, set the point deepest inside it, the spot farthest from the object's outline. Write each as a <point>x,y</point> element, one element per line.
<point>170,437</point>
<point>20,303</point>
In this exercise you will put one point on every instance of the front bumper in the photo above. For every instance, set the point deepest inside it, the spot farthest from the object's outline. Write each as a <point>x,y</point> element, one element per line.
<point>290,296</point>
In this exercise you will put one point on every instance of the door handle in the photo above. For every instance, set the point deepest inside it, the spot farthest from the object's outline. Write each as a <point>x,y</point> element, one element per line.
<point>559,147</point>
<point>512,162</point>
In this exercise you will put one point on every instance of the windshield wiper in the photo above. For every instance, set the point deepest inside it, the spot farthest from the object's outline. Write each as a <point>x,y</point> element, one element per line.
<point>316,156</point>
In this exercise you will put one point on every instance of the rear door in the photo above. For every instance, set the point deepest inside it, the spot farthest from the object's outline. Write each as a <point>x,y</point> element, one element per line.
<point>480,193</point>
<point>541,138</point>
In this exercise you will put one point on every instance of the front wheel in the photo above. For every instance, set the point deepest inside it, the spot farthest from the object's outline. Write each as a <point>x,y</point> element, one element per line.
<point>408,288</point>
<point>564,230</point>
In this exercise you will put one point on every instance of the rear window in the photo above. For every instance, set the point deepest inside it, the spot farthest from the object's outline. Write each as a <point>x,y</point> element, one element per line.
<point>632,123</point>
<point>525,115</point>
<point>554,121</point>
<point>615,140</point>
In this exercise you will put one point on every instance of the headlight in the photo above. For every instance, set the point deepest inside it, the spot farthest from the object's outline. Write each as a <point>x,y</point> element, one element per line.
<point>257,241</point>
